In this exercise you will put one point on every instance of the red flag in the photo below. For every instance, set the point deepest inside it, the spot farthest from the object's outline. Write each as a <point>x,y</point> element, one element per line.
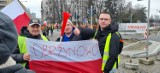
<point>17,14</point>
<point>66,15</point>
<point>66,67</point>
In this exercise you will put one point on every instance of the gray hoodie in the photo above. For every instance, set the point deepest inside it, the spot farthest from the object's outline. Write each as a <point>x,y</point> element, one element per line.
<point>8,37</point>
<point>8,42</point>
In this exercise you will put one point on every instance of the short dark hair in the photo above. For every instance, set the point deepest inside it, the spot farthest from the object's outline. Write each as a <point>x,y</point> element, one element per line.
<point>105,12</point>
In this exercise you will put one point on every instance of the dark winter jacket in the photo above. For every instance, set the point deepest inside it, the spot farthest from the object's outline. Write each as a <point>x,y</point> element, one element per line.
<point>114,44</point>
<point>17,56</point>
<point>8,37</point>
<point>8,42</point>
<point>18,68</point>
<point>85,34</point>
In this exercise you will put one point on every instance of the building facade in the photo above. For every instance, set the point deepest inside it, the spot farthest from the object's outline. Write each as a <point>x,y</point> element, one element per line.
<point>46,11</point>
<point>3,3</point>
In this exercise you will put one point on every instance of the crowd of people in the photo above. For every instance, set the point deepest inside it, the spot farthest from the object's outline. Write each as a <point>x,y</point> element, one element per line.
<point>46,29</point>
<point>13,50</point>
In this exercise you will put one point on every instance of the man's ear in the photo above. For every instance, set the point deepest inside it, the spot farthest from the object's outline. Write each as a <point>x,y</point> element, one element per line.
<point>110,21</point>
<point>28,27</point>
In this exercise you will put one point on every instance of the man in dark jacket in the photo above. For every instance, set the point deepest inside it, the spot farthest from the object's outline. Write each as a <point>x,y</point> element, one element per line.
<point>8,42</point>
<point>20,55</point>
<point>108,28</point>
<point>73,33</point>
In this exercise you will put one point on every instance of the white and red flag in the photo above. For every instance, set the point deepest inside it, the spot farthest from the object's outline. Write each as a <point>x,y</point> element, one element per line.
<point>64,57</point>
<point>17,14</point>
<point>45,23</point>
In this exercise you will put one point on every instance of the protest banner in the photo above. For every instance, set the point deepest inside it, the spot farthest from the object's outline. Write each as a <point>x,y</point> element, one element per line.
<point>64,57</point>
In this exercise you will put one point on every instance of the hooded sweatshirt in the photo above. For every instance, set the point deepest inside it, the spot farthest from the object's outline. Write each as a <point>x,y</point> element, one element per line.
<point>8,42</point>
<point>8,37</point>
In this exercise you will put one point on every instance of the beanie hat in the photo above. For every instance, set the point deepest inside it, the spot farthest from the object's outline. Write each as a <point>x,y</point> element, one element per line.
<point>8,37</point>
<point>70,22</point>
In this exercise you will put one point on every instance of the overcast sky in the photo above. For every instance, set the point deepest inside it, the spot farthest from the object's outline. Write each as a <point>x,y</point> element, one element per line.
<point>35,5</point>
<point>154,5</point>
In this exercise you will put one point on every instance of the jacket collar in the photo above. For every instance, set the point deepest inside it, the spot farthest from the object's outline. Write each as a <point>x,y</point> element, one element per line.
<point>25,32</point>
<point>113,27</point>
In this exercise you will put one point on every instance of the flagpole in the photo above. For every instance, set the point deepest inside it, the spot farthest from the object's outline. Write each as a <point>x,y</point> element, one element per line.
<point>61,39</point>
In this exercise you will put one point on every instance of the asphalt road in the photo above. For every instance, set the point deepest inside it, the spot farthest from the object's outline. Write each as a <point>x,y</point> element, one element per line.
<point>56,34</point>
<point>141,36</point>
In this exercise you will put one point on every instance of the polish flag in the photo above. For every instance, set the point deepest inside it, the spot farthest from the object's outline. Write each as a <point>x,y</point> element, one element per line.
<point>45,23</point>
<point>17,14</point>
<point>64,57</point>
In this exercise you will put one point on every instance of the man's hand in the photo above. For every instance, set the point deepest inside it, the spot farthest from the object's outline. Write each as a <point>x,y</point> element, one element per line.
<point>26,56</point>
<point>76,31</point>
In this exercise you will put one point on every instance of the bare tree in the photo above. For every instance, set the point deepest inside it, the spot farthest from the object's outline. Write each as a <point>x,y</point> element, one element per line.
<point>81,9</point>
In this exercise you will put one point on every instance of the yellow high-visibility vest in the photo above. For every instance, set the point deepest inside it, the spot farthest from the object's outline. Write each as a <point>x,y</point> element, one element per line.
<point>106,52</point>
<point>22,45</point>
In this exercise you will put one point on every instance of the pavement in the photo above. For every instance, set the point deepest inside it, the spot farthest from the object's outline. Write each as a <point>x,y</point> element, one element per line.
<point>56,34</point>
<point>155,68</point>
<point>141,37</point>
<point>133,36</point>
<point>158,34</point>
<point>153,49</point>
<point>154,38</point>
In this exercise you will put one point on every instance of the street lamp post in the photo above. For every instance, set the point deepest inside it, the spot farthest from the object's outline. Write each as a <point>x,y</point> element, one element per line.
<point>147,27</point>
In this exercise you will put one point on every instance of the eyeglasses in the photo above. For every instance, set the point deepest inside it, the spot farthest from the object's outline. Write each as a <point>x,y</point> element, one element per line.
<point>104,19</point>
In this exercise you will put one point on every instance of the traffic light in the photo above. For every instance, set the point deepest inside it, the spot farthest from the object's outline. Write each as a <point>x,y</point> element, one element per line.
<point>93,12</point>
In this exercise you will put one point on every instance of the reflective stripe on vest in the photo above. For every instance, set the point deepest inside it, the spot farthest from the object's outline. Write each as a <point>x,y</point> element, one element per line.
<point>44,37</point>
<point>106,52</point>
<point>95,34</point>
<point>22,45</point>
